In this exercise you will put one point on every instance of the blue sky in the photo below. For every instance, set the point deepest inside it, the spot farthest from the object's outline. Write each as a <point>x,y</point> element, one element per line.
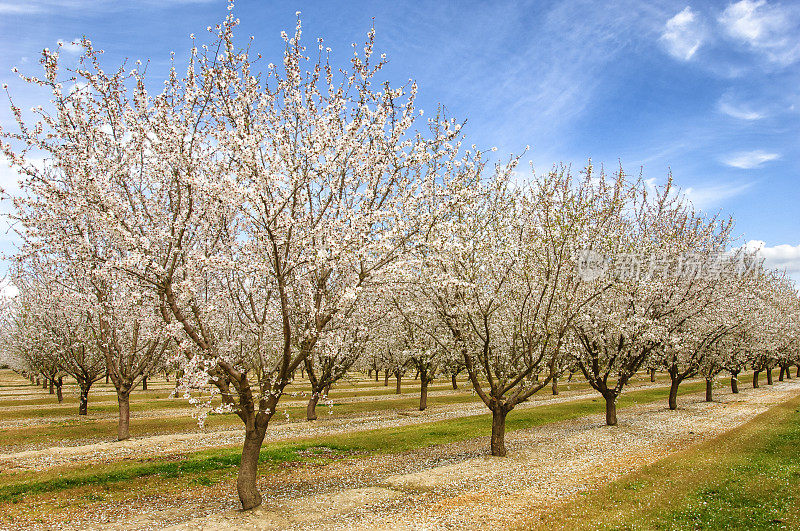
<point>708,89</point>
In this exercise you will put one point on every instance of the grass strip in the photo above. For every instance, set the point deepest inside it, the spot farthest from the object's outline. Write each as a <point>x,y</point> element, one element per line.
<point>383,440</point>
<point>747,478</point>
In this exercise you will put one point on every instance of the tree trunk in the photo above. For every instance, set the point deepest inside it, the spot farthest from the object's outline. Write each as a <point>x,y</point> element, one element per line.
<point>769,376</point>
<point>376,375</point>
<point>398,383</point>
<point>59,394</point>
<point>52,386</point>
<point>246,481</point>
<point>555,385</point>
<point>386,378</point>
<point>123,426</point>
<point>611,410</point>
<point>755,379</point>
<point>673,393</point>
<point>798,371</point>
<point>144,383</point>
<point>106,376</point>
<point>781,373</point>
<point>44,383</point>
<point>652,375</point>
<point>311,409</point>
<point>735,382</point>
<point>453,380</point>
<point>83,403</point>
<point>423,392</point>
<point>709,390</point>
<point>498,443</point>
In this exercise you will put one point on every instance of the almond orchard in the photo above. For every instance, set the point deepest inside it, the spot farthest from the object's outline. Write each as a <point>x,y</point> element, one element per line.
<point>266,234</point>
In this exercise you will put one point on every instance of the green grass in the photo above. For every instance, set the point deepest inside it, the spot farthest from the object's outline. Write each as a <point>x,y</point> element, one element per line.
<point>193,465</point>
<point>748,478</point>
<point>386,440</point>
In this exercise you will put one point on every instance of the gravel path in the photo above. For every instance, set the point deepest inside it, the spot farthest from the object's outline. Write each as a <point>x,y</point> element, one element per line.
<point>173,444</point>
<point>469,489</point>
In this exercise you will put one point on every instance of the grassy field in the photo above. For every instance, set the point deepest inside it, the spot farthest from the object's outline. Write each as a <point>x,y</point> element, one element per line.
<point>194,468</point>
<point>154,413</point>
<point>749,478</point>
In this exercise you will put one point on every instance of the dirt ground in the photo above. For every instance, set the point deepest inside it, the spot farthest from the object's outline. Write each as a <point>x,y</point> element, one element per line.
<point>181,443</point>
<point>457,486</point>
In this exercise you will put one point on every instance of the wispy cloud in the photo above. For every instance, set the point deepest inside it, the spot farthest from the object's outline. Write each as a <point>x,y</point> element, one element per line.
<point>738,110</point>
<point>683,34</point>
<point>770,29</point>
<point>712,196</point>
<point>19,9</point>
<point>35,7</point>
<point>747,160</point>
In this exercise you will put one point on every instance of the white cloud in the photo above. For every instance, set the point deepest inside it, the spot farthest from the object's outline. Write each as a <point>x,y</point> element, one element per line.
<point>683,34</point>
<point>17,9</point>
<point>34,7</point>
<point>8,176</point>
<point>767,28</point>
<point>783,257</point>
<point>742,112</point>
<point>711,196</point>
<point>8,289</point>
<point>748,160</point>
<point>71,47</point>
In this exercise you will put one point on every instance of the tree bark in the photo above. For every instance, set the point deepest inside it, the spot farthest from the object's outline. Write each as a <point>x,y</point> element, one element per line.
<point>311,409</point>
<point>555,385</point>
<point>44,383</point>
<point>107,376</point>
<point>246,481</point>
<point>423,392</point>
<point>123,427</point>
<point>735,382</point>
<point>755,379</point>
<point>673,393</point>
<point>83,403</point>
<point>709,390</point>
<point>453,380</point>
<point>781,373</point>
<point>376,375</point>
<point>386,378</point>
<point>652,375</point>
<point>59,394</point>
<point>611,410</point>
<point>498,442</point>
<point>52,386</point>
<point>769,377</point>
<point>398,383</point>
<point>144,383</point>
